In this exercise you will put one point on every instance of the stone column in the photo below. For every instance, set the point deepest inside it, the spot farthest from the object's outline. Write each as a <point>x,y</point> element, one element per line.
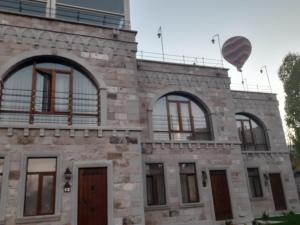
<point>51,8</point>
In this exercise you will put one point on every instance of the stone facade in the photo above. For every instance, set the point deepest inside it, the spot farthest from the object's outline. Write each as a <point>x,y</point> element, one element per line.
<point>128,91</point>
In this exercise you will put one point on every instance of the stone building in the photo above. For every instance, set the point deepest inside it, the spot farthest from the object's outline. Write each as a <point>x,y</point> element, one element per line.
<point>91,135</point>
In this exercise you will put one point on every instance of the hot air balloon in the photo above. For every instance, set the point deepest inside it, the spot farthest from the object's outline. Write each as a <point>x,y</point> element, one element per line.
<point>236,51</point>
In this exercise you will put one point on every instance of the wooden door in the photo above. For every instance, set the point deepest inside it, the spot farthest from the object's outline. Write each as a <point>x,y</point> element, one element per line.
<point>92,196</point>
<point>221,196</point>
<point>277,191</point>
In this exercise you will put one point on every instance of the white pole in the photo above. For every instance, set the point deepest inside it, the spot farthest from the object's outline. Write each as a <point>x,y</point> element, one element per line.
<point>160,35</point>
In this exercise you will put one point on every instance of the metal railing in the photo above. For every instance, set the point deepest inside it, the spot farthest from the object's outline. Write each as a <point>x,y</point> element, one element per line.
<point>182,59</point>
<point>66,12</point>
<point>35,107</point>
<point>250,88</point>
<point>183,128</point>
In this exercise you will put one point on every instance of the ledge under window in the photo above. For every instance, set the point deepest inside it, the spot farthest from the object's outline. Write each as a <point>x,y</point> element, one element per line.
<point>38,219</point>
<point>192,205</point>
<point>157,207</point>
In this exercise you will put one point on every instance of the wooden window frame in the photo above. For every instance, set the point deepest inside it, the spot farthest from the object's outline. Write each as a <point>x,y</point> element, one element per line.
<point>41,175</point>
<point>180,119</point>
<point>253,143</point>
<point>154,192</point>
<point>51,93</point>
<point>186,175</point>
<point>251,179</point>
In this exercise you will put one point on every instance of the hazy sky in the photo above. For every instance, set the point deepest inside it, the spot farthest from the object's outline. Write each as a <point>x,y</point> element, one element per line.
<point>272,26</point>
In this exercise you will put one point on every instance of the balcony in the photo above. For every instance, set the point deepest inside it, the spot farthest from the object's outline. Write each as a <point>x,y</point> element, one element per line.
<point>180,128</point>
<point>40,107</point>
<point>66,13</point>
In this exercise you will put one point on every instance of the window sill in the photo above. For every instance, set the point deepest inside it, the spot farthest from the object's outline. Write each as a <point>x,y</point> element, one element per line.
<point>38,219</point>
<point>157,207</point>
<point>192,205</point>
<point>258,199</point>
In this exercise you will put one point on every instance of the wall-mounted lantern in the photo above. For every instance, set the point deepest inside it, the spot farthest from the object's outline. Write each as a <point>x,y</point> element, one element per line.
<point>204,178</point>
<point>68,177</point>
<point>266,178</point>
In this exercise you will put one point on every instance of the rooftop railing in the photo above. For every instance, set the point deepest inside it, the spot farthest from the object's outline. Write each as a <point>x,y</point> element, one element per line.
<point>66,12</point>
<point>250,88</point>
<point>182,59</point>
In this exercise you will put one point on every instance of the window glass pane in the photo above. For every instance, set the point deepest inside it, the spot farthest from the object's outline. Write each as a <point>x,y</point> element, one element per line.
<point>174,119</point>
<point>177,98</point>
<point>116,6</point>
<point>43,95</point>
<point>187,168</point>
<point>258,134</point>
<point>254,182</point>
<point>17,91</point>
<point>31,195</point>
<point>247,132</point>
<point>198,116</point>
<point>1,173</point>
<point>29,7</point>
<point>185,116</point>
<point>160,118</point>
<point>48,195</point>
<point>155,184</point>
<point>1,165</point>
<point>188,179</point>
<point>193,190</point>
<point>41,165</point>
<point>62,92</point>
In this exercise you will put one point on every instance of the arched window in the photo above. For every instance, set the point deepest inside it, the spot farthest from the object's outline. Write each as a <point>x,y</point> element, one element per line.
<point>251,133</point>
<point>178,117</point>
<point>49,90</point>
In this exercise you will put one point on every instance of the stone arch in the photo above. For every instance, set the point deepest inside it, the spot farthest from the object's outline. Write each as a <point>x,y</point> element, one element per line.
<point>189,93</point>
<point>260,123</point>
<point>16,61</point>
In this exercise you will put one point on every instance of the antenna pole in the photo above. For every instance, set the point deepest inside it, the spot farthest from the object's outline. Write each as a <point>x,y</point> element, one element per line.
<point>243,83</point>
<point>268,78</point>
<point>160,35</point>
<point>219,42</point>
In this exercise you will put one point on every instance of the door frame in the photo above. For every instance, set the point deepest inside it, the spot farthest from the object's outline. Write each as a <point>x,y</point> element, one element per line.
<point>211,200</point>
<point>92,164</point>
<point>283,187</point>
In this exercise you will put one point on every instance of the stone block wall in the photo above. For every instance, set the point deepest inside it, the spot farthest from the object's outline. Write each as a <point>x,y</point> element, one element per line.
<point>122,150</point>
<point>206,156</point>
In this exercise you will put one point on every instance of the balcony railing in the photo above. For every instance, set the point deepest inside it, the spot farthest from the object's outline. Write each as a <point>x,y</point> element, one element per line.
<point>66,12</point>
<point>180,128</point>
<point>26,106</point>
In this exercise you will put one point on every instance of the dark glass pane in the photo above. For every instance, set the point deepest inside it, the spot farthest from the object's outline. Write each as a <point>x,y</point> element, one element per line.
<point>187,168</point>
<point>1,165</point>
<point>254,181</point>
<point>150,190</point>
<point>43,94</point>
<point>48,195</point>
<point>41,165</point>
<point>29,7</point>
<point>116,6</point>
<point>155,184</point>
<point>31,195</point>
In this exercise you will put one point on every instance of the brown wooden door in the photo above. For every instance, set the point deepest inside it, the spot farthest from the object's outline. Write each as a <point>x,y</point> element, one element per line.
<point>277,191</point>
<point>92,196</point>
<point>221,196</point>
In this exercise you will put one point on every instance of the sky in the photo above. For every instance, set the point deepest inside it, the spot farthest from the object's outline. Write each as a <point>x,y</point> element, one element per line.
<point>272,26</point>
